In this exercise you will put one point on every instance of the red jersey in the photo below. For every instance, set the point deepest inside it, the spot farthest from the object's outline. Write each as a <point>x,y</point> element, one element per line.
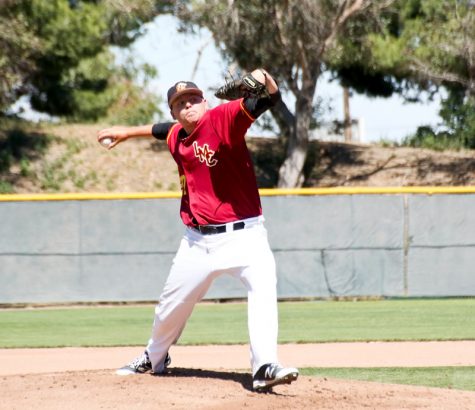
<point>216,172</point>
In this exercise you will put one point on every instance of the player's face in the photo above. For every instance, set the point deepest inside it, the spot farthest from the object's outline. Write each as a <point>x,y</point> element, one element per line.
<point>188,110</point>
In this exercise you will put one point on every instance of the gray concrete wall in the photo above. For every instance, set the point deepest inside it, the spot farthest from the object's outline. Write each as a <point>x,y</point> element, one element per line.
<point>325,246</point>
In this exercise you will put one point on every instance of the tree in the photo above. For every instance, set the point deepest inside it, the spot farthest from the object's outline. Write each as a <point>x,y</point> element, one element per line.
<point>57,52</point>
<point>438,40</point>
<point>428,45</point>
<point>19,47</point>
<point>295,40</point>
<point>439,45</point>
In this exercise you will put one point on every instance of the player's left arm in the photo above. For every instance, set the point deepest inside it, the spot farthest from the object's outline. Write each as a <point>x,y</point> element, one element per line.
<point>265,78</point>
<point>257,105</point>
<point>249,97</point>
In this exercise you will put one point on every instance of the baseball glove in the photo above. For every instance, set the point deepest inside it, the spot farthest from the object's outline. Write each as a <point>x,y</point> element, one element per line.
<point>246,86</point>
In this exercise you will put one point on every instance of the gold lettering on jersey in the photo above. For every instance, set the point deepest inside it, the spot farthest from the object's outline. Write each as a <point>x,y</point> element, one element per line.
<point>183,184</point>
<point>204,154</point>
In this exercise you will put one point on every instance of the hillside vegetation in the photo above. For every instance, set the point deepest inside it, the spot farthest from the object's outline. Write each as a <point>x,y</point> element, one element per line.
<point>67,158</point>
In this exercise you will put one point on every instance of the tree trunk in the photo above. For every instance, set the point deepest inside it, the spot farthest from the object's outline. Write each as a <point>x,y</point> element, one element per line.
<point>285,121</point>
<point>291,171</point>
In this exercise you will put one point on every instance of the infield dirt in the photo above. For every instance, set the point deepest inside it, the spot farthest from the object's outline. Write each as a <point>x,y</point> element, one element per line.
<point>215,377</point>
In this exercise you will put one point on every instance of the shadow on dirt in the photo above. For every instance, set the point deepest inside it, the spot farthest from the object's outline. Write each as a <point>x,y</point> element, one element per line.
<point>17,144</point>
<point>330,164</point>
<point>267,156</point>
<point>18,148</point>
<point>244,379</point>
<point>460,171</point>
<point>323,160</point>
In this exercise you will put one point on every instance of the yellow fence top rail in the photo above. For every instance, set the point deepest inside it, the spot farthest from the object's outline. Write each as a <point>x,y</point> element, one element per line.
<point>427,190</point>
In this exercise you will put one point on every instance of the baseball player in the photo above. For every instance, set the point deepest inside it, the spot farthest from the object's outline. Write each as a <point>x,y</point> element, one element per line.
<point>222,214</point>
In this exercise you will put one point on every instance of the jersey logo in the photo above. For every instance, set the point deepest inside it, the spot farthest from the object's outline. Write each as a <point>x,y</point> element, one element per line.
<point>204,154</point>
<point>183,184</point>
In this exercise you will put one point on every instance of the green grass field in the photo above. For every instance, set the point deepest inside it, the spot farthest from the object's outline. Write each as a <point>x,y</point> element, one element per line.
<point>300,322</point>
<point>461,378</point>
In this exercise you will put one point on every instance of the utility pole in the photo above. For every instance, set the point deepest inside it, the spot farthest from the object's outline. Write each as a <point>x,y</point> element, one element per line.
<point>346,110</point>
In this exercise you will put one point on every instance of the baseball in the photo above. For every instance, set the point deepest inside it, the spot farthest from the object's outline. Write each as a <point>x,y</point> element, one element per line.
<point>106,141</point>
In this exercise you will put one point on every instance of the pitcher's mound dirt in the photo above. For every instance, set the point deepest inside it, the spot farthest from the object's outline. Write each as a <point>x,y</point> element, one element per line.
<point>207,389</point>
<point>206,377</point>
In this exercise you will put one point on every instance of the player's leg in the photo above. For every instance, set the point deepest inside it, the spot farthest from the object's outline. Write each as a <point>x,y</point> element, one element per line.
<point>260,279</point>
<point>189,279</point>
<point>184,288</point>
<point>187,282</point>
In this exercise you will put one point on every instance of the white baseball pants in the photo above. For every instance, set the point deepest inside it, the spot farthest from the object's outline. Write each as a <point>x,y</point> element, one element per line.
<point>244,254</point>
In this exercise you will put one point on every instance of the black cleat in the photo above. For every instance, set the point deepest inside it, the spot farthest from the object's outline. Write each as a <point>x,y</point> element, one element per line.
<point>141,364</point>
<point>273,374</point>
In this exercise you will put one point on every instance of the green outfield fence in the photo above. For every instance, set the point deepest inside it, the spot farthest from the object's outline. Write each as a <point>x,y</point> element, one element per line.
<point>328,242</point>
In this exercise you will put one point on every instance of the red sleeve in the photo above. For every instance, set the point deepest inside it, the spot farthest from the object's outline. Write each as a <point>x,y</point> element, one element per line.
<point>232,120</point>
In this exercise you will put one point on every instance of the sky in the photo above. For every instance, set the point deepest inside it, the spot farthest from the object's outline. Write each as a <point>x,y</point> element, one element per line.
<point>175,54</point>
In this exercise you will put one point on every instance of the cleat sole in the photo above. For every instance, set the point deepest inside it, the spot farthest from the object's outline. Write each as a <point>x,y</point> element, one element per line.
<point>267,387</point>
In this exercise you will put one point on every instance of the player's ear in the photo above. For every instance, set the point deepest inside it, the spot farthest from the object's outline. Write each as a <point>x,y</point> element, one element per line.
<point>171,113</point>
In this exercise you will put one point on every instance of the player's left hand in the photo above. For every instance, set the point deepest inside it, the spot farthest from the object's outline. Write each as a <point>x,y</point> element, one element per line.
<point>244,87</point>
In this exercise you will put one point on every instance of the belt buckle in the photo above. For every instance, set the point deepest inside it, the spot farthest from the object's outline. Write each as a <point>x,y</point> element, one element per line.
<point>207,229</point>
<point>212,230</point>
<point>215,229</point>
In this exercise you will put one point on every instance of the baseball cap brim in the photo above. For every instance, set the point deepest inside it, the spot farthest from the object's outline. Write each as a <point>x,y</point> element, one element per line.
<point>195,91</point>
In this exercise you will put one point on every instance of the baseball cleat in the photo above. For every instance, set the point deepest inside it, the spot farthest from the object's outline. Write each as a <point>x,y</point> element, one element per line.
<point>273,374</point>
<point>141,364</point>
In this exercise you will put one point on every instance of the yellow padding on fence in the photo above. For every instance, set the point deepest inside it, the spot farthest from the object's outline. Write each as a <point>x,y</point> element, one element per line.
<point>88,196</point>
<point>427,190</point>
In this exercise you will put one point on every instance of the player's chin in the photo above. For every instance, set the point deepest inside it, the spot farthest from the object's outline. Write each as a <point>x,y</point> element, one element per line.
<point>191,116</point>
<point>192,120</point>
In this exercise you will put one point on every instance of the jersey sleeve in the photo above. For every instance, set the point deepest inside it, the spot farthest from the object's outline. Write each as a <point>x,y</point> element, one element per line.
<point>231,121</point>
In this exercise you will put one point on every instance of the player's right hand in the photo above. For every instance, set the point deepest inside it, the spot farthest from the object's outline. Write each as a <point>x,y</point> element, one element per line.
<point>116,134</point>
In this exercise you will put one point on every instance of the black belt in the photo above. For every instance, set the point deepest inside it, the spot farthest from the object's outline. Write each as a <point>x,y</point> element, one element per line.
<point>214,229</point>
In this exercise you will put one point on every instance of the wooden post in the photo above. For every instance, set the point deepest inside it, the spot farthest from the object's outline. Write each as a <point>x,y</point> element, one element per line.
<point>346,110</point>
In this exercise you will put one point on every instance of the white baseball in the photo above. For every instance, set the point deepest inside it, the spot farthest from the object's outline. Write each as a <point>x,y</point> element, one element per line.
<point>106,141</point>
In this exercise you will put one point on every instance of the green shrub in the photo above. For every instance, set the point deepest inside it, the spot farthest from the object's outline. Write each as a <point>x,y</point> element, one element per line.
<point>426,137</point>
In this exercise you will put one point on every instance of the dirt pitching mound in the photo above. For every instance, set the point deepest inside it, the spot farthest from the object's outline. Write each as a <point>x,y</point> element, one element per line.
<point>211,389</point>
<point>217,377</point>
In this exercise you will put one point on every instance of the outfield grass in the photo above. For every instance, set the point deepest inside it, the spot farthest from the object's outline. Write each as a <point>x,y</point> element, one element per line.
<point>461,378</point>
<point>300,322</point>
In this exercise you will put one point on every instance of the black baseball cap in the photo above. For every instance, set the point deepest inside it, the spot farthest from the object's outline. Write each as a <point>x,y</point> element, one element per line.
<point>180,88</point>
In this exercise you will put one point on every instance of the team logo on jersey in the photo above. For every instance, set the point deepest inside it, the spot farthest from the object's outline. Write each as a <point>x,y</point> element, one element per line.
<point>183,184</point>
<point>204,154</point>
